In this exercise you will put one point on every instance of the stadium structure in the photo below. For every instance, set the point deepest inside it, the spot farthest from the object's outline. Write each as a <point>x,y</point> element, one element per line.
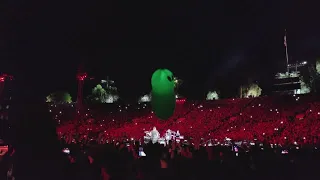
<point>290,82</point>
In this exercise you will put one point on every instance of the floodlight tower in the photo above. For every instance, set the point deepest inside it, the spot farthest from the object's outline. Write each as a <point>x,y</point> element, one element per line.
<point>81,77</point>
<point>108,83</point>
<point>4,124</point>
<point>3,78</point>
<point>177,84</point>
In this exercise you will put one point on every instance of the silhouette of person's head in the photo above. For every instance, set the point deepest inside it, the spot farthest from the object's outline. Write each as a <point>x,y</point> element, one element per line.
<point>32,122</point>
<point>35,141</point>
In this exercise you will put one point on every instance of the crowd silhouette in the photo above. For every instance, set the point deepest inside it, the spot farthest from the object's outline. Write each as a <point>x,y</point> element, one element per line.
<point>269,137</point>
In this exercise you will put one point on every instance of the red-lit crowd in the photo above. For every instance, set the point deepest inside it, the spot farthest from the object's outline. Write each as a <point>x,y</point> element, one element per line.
<point>109,146</point>
<point>277,120</point>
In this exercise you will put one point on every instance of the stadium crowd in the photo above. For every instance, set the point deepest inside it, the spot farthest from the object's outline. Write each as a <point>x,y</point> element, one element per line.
<point>265,138</point>
<point>277,120</point>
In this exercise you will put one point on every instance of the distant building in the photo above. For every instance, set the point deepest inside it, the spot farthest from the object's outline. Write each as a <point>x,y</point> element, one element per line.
<point>290,82</point>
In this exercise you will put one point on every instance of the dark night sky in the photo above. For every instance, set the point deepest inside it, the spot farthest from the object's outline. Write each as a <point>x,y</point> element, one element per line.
<point>208,44</point>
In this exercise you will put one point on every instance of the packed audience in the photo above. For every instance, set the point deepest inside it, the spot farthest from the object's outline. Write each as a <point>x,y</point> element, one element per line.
<point>254,138</point>
<point>277,120</point>
<point>135,161</point>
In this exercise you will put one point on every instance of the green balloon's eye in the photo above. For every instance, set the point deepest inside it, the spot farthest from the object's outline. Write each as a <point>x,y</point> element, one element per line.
<point>169,78</point>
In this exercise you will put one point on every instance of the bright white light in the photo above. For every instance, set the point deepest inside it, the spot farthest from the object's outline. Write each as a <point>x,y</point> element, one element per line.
<point>212,95</point>
<point>145,98</point>
<point>318,66</point>
<point>305,88</point>
<point>253,91</point>
<point>111,98</point>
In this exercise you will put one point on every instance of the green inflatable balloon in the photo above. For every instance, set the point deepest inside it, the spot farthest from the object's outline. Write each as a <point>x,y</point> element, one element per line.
<point>163,96</point>
<point>162,81</point>
<point>163,105</point>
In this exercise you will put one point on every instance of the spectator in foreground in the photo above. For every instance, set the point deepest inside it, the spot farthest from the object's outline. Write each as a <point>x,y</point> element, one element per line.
<point>37,151</point>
